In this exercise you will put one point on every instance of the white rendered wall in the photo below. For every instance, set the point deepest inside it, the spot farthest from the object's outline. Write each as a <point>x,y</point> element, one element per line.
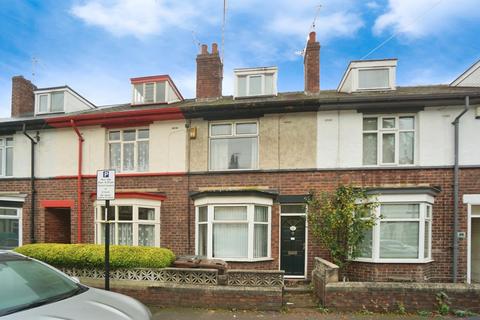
<point>340,138</point>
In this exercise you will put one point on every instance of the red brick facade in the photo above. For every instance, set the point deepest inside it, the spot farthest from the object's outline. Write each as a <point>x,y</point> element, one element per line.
<point>178,217</point>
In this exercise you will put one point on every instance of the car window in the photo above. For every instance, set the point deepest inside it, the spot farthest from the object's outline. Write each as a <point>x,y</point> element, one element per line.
<point>27,283</point>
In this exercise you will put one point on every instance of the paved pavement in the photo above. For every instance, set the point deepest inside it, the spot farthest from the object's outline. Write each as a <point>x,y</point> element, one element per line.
<point>294,314</point>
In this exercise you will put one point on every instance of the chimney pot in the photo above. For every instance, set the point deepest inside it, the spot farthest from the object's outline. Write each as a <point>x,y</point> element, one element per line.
<point>204,49</point>
<point>214,48</point>
<point>23,98</point>
<point>312,36</point>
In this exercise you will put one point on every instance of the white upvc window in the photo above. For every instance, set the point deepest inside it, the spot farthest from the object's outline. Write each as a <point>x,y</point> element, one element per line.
<point>10,228</point>
<point>6,156</point>
<point>51,102</point>
<point>133,222</point>
<point>374,79</point>
<point>234,231</point>
<point>251,82</point>
<point>128,150</point>
<point>403,233</point>
<point>233,145</point>
<point>150,92</point>
<point>389,140</point>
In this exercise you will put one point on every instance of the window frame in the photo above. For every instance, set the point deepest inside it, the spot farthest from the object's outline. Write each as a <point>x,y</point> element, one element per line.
<point>250,203</point>
<point>389,85</point>
<point>380,132</point>
<point>49,102</point>
<point>233,135</point>
<point>19,217</point>
<point>142,101</point>
<point>3,161</point>
<point>99,221</point>
<point>135,151</point>
<point>249,73</point>
<point>424,202</point>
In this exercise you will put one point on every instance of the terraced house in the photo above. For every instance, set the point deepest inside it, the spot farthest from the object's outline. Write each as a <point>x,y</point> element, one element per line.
<point>227,176</point>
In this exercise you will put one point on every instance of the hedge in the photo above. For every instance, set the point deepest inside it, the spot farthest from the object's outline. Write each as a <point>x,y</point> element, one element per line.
<point>93,255</point>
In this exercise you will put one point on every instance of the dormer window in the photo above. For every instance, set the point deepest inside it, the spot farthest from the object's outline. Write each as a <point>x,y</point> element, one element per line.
<point>255,82</point>
<point>369,75</point>
<point>156,89</point>
<point>51,102</point>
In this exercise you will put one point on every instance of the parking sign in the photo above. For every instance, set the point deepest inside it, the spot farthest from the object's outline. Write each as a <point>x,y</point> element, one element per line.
<point>106,185</point>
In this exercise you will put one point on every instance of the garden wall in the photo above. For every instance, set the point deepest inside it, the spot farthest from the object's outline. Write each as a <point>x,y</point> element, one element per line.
<point>387,296</point>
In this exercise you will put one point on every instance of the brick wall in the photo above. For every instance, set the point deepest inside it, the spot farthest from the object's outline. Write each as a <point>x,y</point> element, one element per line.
<point>175,295</point>
<point>177,212</point>
<point>23,99</point>
<point>57,225</point>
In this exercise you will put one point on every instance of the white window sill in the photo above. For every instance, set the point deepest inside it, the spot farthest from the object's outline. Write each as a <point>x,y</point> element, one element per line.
<point>419,261</point>
<point>244,260</point>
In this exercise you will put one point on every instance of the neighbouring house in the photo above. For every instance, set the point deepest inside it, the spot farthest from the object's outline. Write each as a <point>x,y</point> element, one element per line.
<point>227,176</point>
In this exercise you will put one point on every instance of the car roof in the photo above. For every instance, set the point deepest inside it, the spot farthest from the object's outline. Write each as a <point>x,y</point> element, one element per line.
<point>11,256</point>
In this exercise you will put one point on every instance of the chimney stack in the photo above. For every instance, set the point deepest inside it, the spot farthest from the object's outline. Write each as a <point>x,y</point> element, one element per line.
<point>209,74</point>
<point>23,98</point>
<point>311,64</point>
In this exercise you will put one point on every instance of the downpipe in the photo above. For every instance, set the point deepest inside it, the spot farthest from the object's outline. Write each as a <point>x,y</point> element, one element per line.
<point>33,142</point>
<point>79,181</point>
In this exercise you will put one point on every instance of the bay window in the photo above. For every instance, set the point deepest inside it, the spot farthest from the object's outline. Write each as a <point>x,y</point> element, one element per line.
<point>402,233</point>
<point>132,223</point>
<point>6,156</point>
<point>233,145</point>
<point>128,150</point>
<point>10,228</point>
<point>234,232</point>
<point>388,140</point>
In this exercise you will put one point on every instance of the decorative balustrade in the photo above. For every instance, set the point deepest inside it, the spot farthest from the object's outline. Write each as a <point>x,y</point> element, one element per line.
<point>191,276</point>
<point>255,278</point>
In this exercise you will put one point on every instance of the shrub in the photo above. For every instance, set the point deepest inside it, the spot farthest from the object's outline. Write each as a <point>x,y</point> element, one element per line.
<point>92,255</point>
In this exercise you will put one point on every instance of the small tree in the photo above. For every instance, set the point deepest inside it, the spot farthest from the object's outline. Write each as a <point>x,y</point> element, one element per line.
<point>340,220</point>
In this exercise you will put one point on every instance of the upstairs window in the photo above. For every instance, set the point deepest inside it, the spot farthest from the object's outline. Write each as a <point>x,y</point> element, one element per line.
<point>389,140</point>
<point>129,150</point>
<point>233,145</point>
<point>255,82</point>
<point>6,156</point>
<point>51,102</point>
<point>373,79</point>
<point>150,92</point>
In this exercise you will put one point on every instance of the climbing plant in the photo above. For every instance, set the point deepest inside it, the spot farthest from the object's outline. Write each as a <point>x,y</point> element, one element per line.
<point>340,220</point>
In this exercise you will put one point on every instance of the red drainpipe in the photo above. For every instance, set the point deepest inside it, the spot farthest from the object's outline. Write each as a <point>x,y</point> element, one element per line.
<point>79,182</point>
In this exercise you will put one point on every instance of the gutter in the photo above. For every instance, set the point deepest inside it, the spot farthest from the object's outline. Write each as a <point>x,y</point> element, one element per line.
<point>33,142</point>
<point>456,196</point>
<point>79,181</point>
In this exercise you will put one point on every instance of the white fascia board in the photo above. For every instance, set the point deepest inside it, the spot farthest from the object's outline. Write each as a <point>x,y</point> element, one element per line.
<point>259,70</point>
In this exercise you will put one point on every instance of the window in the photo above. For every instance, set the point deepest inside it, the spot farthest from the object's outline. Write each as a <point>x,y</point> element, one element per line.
<point>373,79</point>
<point>6,156</point>
<point>233,145</point>
<point>235,232</point>
<point>128,149</point>
<point>388,140</point>
<point>256,82</point>
<point>130,224</point>
<point>149,92</point>
<point>402,234</point>
<point>10,228</point>
<point>51,102</point>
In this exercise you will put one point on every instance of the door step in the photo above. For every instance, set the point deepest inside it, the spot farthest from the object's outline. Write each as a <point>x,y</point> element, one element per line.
<point>300,296</point>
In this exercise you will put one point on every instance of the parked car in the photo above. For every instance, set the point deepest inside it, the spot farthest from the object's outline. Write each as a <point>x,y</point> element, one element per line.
<point>31,289</point>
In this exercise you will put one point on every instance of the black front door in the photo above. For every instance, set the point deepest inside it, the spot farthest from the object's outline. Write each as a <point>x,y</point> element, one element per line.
<point>292,253</point>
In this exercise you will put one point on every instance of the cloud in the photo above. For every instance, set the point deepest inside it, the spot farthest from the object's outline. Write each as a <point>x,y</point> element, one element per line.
<point>139,18</point>
<point>416,19</point>
<point>373,5</point>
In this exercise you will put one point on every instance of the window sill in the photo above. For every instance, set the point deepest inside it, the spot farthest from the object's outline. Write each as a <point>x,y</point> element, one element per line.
<point>401,261</point>
<point>246,260</point>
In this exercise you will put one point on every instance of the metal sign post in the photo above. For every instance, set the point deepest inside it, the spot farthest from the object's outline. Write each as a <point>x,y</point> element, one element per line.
<point>106,191</point>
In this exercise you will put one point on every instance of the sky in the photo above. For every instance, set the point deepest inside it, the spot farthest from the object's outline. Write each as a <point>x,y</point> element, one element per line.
<point>96,46</point>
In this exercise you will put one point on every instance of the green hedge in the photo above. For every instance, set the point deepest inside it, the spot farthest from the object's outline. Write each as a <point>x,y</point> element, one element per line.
<point>92,255</point>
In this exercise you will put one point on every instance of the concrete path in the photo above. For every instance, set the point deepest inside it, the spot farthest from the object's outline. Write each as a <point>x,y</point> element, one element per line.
<point>294,314</point>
